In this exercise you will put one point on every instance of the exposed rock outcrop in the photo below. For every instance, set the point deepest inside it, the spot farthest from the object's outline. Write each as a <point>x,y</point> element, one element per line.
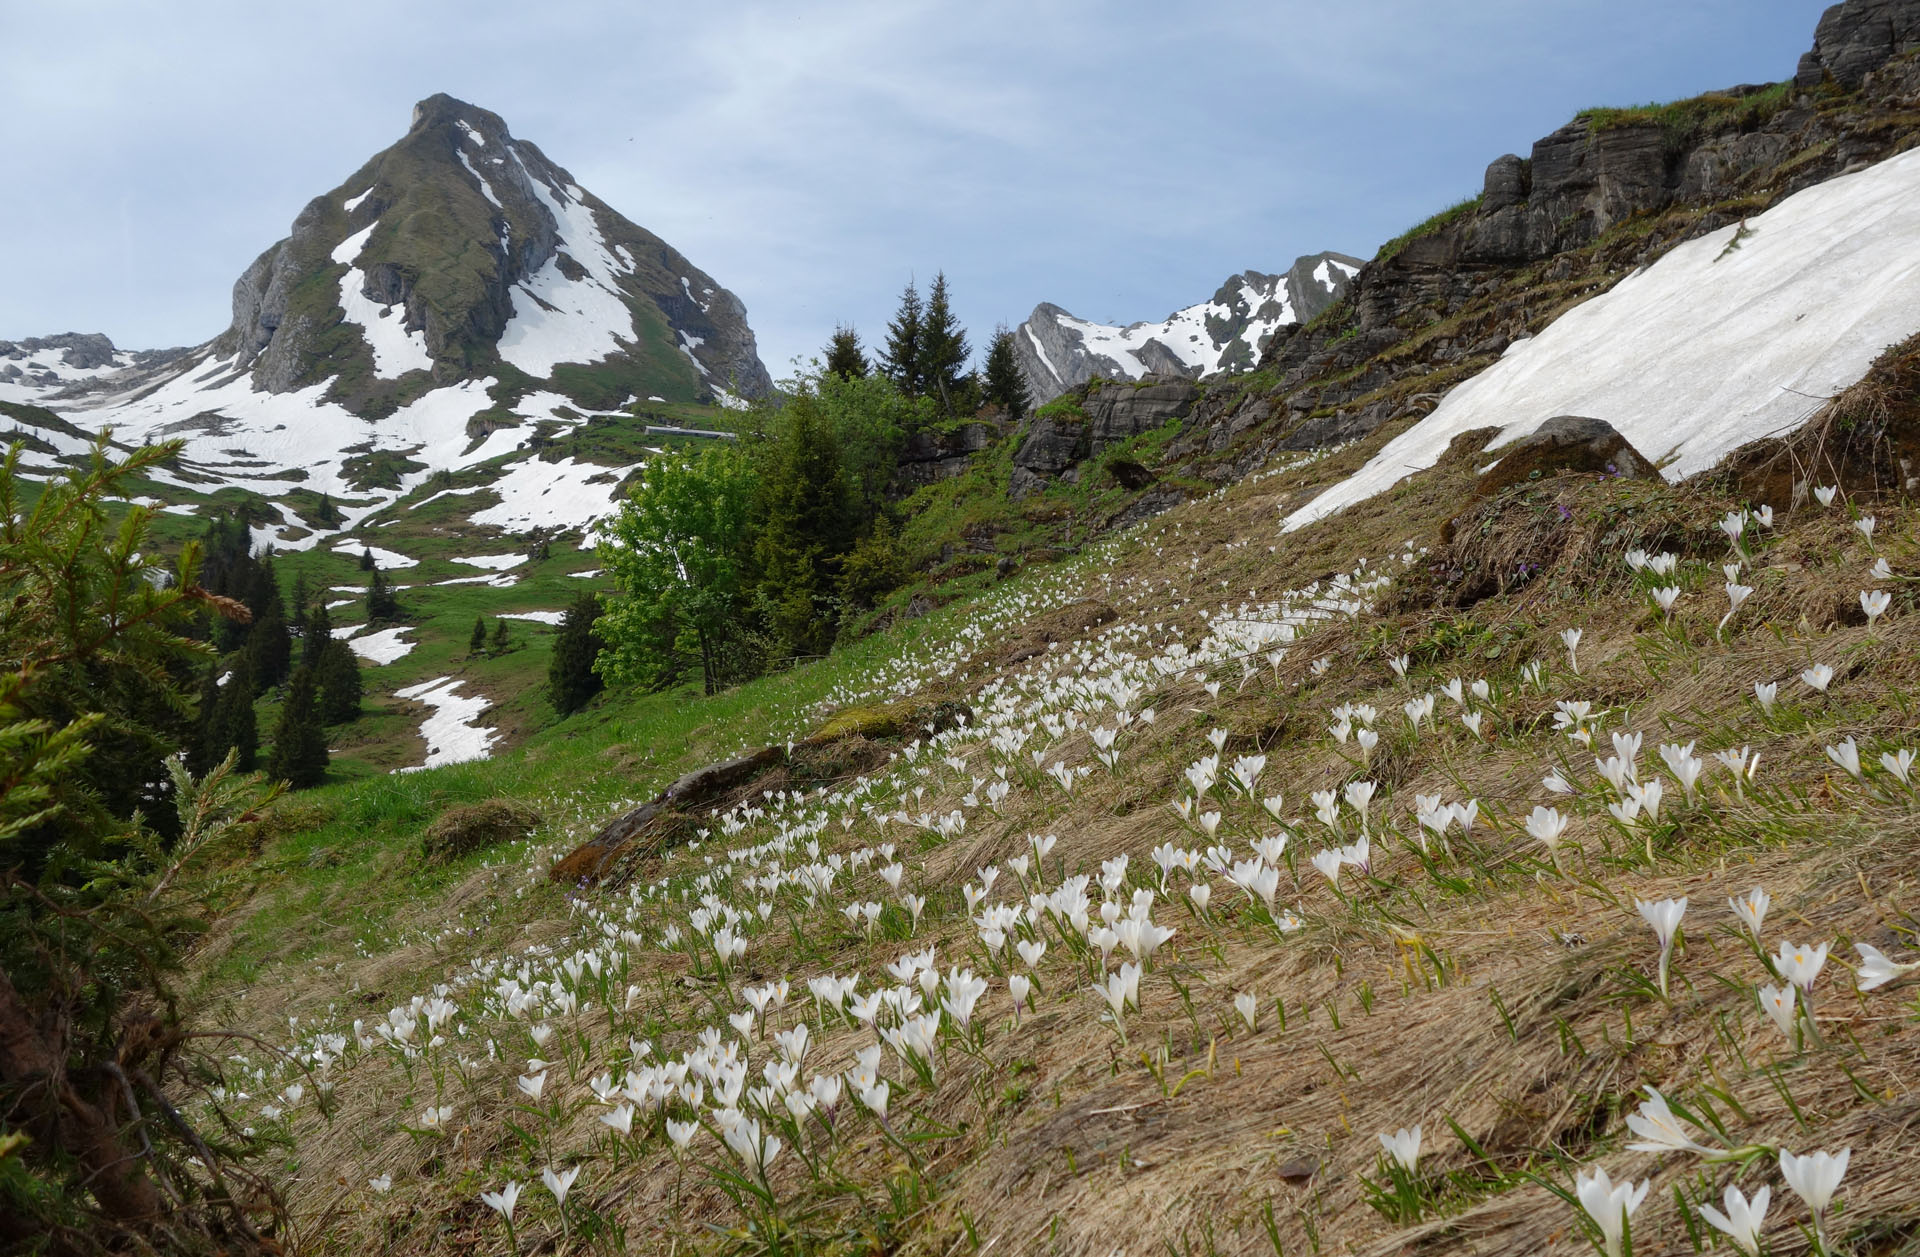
<point>1566,443</point>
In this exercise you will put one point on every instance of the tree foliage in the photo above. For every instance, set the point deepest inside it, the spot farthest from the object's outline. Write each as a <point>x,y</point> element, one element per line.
<point>97,660</point>
<point>902,359</point>
<point>943,351</point>
<point>845,356</point>
<point>571,680</point>
<point>1005,386</point>
<point>677,553</point>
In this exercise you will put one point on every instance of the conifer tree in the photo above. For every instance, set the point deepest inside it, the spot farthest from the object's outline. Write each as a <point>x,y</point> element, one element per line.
<point>338,677</point>
<point>319,633</point>
<point>845,358</point>
<point>1005,386</point>
<point>269,652</point>
<point>902,358</point>
<point>199,748</point>
<point>571,680</point>
<point>810,517</point>
<point>500,642</point>
<point>233,728</point>
<point>299,743</point>
<point>943,349</point>
<point>478,642</point>
<point>302,595</point>
<point>382,605</point>
<point>366,560</point>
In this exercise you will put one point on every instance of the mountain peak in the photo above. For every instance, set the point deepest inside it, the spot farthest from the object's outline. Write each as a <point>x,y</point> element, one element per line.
<point>461,253</point>
<point>1058,352</point>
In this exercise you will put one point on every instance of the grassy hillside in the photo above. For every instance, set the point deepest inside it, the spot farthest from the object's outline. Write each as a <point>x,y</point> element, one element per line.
<point>1502,993</point>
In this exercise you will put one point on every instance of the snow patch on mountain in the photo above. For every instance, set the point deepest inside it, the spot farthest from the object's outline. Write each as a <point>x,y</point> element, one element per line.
<point>557,319</point>
<point>386,646</point>
<point>1058,351</point>
<point>450,734</point>
<point>562,494</point>
<point>1738,335</point>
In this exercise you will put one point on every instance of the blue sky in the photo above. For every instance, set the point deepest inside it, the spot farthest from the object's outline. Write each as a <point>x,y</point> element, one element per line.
<point>1117,159</point>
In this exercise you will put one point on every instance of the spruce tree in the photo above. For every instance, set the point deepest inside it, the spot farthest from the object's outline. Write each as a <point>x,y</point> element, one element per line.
<point>500,642</point>
<point>382,605</point>
<point>299,743</point>
<point>199,747</point>
<point>810,518</point>
<point>571,680</point>
<point>943,348</point>
<point>269,652</point>
<point>366,560</point>
<point>338,677</point>
<point>845,358</point>
<point>478,642</point>
<point>302,595</point>
<point>1005,386</point>
<point>902,357</point>
<point>319,633</point>
<point>234,728</point>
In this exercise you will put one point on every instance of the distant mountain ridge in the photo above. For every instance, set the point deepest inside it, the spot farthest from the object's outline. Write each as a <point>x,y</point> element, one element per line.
<point>1228,332</point>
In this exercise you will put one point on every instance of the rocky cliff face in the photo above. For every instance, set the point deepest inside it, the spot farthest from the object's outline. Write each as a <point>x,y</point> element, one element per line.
<point>1058,352</point>
<point>463,252</point>
<point>1591,203</point>
<point>1600,196</point>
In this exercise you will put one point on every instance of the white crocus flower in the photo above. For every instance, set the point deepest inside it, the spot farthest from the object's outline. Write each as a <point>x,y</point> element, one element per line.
<point>1609,1206</point>
<point>1743,1219</point>
<point>559,1184</point>
<point>1877,968</point>
<point>1751,908</point>
<point>1814,1178</point>
<point>1875,603</point>
<point>1659,1129</point>
<point>1817,677</point>
<point>1781,1005</point>
<point>1404,1147</point>
<point>1664,916</point>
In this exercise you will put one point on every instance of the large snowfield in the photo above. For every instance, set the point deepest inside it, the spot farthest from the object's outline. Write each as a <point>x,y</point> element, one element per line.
<point>1741,334</point>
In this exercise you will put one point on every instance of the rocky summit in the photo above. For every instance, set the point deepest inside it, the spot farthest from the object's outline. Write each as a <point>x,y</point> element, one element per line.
<point>458,305</point>
<point>1227,332</point>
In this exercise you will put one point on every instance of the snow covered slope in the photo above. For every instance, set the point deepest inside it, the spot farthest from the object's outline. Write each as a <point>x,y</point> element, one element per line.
<point>1738,335</point>
<point>1058,351</point>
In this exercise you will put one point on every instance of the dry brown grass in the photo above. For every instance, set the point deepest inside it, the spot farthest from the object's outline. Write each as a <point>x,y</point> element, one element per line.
<point>1063,1141</point>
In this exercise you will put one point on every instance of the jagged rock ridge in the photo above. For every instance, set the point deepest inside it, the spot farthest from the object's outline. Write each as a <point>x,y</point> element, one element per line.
<point>1058,352</point>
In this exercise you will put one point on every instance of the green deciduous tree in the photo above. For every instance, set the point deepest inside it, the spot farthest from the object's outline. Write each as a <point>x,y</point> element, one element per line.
<point>571,680</point>
<point>677,556</point>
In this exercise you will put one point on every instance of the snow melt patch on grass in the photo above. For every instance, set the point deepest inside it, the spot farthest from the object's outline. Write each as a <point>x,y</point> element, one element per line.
<point>538,617</point>
<point>451,736</point>
<point>564,494</point>
<point>384,558</point>
<point>494,581</point>
<point>383,647</point>
<point>492,562</point>
<point>1738,335</point>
